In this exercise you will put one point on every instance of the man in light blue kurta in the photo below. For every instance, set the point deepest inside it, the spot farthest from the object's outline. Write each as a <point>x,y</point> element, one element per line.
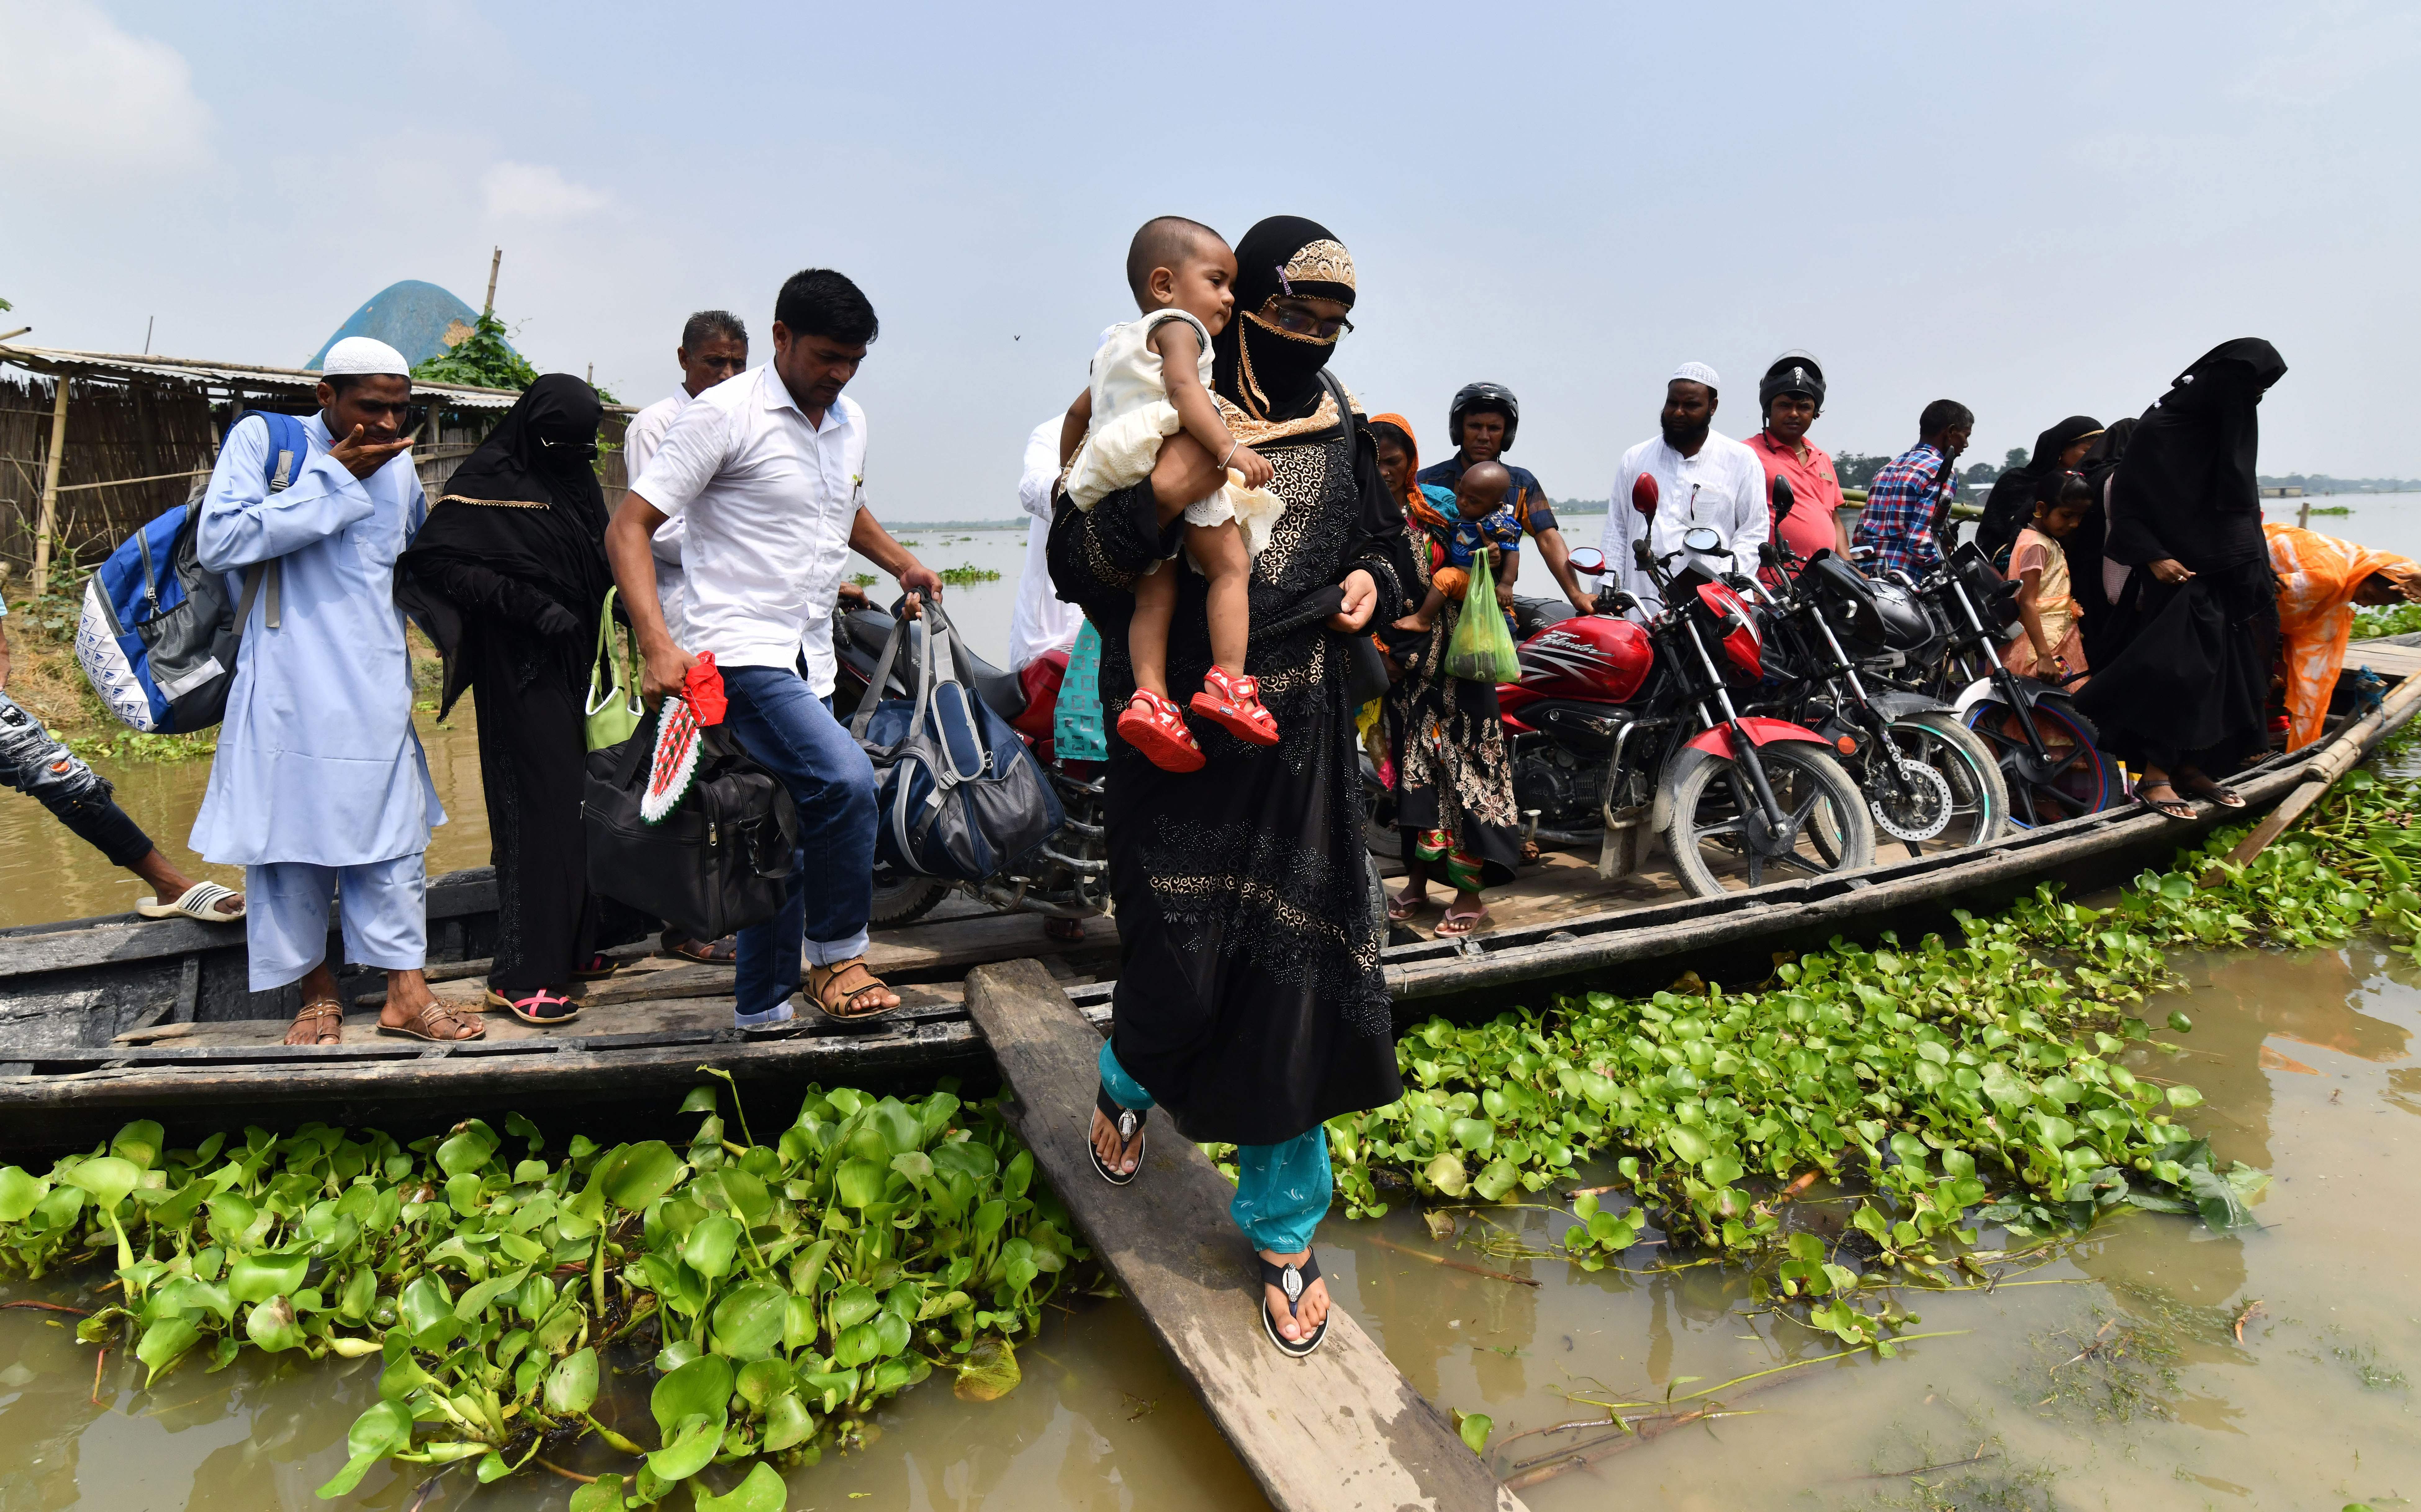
<point>320,787</point>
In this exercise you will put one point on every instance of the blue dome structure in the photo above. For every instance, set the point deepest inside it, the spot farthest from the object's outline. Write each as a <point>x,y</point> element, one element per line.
<point>419,320</point>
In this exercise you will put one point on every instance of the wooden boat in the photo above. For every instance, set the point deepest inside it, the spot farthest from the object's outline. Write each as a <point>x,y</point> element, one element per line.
<point>111,1019</point>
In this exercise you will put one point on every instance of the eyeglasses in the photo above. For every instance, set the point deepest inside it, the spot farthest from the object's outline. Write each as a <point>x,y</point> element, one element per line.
<point>1297,321</point>
<point>585,450</point>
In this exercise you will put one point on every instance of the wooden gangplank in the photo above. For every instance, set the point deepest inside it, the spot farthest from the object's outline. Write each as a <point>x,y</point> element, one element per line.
<point>1341,1431</point>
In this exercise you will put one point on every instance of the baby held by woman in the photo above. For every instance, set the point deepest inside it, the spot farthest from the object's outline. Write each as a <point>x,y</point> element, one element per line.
<point>1152,387</point>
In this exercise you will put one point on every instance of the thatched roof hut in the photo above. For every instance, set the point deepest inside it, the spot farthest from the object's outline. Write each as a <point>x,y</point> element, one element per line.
<point>95,443</point>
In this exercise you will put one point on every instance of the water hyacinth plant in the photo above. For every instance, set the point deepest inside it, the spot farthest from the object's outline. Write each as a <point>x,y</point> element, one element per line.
<point>1947,1086</point>
<point>789,1287</point>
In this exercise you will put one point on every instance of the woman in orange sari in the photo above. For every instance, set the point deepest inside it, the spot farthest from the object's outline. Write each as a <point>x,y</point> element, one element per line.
<point>2320,582</point>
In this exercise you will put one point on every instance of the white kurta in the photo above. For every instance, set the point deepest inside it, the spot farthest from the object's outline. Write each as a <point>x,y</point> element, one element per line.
<point>1722,487</point>
<point>316,760</point>
<point>1041,621</point>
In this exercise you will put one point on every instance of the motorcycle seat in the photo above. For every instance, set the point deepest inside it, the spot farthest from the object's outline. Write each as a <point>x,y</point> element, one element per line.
<point>1002,692</point>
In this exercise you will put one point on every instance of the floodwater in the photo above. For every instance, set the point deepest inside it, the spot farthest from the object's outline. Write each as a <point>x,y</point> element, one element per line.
<point>46,873</point>
<point>2111,1377</point>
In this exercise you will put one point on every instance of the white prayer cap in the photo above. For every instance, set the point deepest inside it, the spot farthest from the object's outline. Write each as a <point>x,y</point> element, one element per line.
<point>1695,373</point>
<point>364,354</point>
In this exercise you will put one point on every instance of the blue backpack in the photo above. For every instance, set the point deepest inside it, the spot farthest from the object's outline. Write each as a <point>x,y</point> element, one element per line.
<point>158,632</point>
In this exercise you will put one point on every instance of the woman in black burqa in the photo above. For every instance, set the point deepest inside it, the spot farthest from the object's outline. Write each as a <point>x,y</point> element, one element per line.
<point>1250,1000</point>
<point>2011,503</point>
<point>513,556</point>
<point>2193,634</point>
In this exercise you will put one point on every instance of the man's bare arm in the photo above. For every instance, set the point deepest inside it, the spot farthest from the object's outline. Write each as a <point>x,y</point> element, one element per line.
<point>628,548</point>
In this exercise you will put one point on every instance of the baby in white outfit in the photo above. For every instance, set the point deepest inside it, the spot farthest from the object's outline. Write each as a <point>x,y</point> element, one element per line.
<point>1152,387</point>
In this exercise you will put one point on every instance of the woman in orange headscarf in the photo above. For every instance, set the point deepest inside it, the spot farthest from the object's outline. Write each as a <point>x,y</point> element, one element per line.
<point>2321,581</point>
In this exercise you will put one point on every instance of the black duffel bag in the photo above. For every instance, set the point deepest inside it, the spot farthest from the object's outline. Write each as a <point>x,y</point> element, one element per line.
<point>719,861</point>
<point>957,794</point>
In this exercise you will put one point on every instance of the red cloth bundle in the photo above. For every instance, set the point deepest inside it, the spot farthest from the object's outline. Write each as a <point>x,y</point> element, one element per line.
<point>703,690</point>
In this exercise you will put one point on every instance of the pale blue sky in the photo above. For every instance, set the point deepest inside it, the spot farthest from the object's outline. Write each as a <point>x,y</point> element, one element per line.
<point>2034,208</point>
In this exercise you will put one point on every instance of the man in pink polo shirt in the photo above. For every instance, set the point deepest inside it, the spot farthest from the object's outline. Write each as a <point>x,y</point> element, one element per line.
<point>1792,395</point>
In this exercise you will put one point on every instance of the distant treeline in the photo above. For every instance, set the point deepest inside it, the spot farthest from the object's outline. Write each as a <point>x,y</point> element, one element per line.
<point>2322,483</point>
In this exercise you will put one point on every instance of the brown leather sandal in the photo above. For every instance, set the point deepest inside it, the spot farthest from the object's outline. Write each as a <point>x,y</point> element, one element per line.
<point>428,1023</point>
<point>839,1002</point>
<point>326,1017</point>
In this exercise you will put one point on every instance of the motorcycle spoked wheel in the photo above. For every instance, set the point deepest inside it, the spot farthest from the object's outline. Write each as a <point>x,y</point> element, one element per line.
<point>2084,780</point>
<point>1712,855</point>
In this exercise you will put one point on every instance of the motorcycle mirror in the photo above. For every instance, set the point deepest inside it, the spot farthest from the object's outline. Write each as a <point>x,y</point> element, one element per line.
<point>1705,542</point>
<point>1783,497</point>
<point>1643,495</point>
<point>1586,562</point>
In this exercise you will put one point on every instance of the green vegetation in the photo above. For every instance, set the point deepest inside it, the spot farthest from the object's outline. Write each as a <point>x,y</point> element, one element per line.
<point>788,1286</point>
<point>1947,1086</point>
<point>2389,619</point>
<point>483,359</point>
<point>967,573</point>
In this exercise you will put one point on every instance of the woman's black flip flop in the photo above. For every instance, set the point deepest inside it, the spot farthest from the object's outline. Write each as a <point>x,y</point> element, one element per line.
<point>2216,792</point>
<point>1290,1280</point>
<point>2168,808</point>
<point>1128,1123</point>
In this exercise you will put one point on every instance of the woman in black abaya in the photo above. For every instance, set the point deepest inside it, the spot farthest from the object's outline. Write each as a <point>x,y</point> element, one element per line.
<point>1250,1001</point>
<point>515,550</point>
<point>2011,503</point>
<point>2194,631</point>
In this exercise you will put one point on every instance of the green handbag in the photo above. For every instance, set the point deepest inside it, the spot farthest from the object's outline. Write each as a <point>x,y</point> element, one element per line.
<point>614,707</point>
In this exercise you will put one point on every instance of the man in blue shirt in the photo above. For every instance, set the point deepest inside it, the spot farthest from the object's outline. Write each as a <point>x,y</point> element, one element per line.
<point>1906,497</point>
<point>1481,423</point>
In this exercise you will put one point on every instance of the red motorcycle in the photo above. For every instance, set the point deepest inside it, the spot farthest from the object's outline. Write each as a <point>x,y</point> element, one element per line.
<point>1621,730</point>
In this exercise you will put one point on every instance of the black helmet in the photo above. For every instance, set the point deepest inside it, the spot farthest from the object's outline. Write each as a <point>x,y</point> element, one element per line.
<point>1793,372</point>
<point>1488,398</point>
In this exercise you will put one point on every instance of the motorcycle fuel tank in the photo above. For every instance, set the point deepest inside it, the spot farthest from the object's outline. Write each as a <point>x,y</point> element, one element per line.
<point>1598,657</point>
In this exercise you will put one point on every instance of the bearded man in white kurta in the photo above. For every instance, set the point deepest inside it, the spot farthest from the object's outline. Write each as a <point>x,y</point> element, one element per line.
<point>319,786</point>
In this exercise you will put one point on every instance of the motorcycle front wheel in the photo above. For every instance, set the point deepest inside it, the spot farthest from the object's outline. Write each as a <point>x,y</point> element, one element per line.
<point>1709,848</point>
<point>2080,779</point>
<point>903,898</point>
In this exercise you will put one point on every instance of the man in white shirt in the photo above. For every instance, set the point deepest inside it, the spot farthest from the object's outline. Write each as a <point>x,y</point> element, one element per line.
<point>767,473</point>
<point>1042,621</point>
<point>714,347</point>
<point>1690,475</point>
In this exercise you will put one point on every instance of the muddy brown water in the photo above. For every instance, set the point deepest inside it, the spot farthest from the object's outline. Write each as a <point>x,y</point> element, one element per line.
<point>2307,1063</point>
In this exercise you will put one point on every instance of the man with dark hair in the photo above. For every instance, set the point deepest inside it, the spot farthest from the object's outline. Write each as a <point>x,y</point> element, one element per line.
<point>768,475</point>
<point>1904,504</point>
<point>319,786</point>
<point>1480,423</point>
<point>714,347</point>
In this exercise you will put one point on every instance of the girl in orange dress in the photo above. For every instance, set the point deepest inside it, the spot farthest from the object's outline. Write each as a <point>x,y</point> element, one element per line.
<point>2053,647</point>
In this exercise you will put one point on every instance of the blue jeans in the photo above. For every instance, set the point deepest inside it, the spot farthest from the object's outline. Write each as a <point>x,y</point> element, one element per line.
<point>42,769</point>
<point>793,734</point>
<point>1282,1191</point>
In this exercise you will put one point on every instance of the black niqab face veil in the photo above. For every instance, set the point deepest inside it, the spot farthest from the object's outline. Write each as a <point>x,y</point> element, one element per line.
<point>2186,489</point>
<point>1269,373</point>
<point>527,503</point>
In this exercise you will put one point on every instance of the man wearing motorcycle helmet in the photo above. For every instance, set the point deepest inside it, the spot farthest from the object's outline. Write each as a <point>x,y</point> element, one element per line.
<point>1791,396</point>
<point>1480,423</point>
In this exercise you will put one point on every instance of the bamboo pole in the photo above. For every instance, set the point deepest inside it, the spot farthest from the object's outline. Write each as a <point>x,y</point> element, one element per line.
<point>2333,762</point>
<point>49,516</point>
<point>494,264</point>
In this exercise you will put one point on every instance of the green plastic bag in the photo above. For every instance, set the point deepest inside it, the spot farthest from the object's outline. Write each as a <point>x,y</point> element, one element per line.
<point>614,707</point>
<point>1482,648</point>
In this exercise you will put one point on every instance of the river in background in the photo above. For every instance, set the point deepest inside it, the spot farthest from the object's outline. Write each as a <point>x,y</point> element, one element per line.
<point>2113,1375</point>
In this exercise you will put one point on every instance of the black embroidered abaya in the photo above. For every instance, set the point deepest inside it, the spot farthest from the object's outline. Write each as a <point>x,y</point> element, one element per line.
<point>2187,682</point>
<point>1250,1000</point>
<point>513,556</point>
